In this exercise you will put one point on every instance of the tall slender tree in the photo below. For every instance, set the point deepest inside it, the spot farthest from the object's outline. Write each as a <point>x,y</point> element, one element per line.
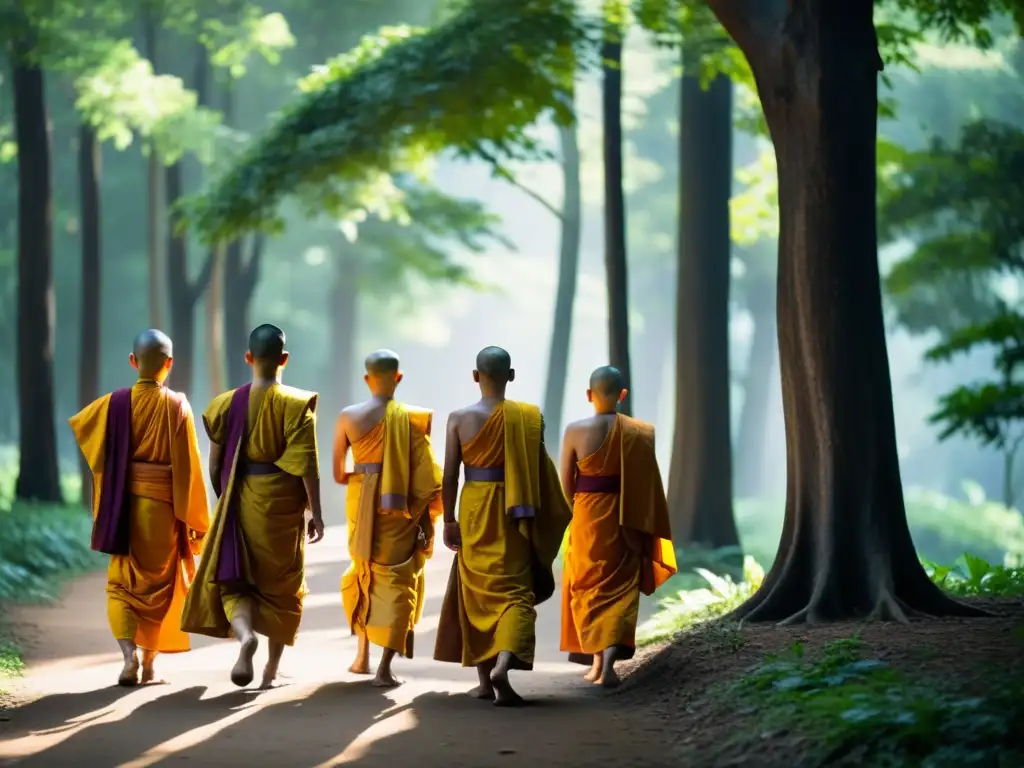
<point>90,331</point>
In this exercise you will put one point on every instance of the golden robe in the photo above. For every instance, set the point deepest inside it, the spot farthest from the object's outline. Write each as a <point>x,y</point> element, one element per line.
<point>166,512</point>
<point>269,509</point>
<point>394,494</point>
<point>620,543</point>
<point>512,518</point>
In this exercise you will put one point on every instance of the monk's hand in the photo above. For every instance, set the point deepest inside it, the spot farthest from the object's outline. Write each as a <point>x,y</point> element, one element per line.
<point>452,535</point>
<point>315,529</point>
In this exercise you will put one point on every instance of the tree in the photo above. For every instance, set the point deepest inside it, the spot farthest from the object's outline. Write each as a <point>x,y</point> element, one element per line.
<point>614,201</point>
<point>89,350</point>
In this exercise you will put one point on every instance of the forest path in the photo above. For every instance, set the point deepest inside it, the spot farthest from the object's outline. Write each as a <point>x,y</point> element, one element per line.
<point>323,716</point>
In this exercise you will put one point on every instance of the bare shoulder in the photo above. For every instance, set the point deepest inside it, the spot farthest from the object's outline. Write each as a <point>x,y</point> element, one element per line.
<point>456,416</point>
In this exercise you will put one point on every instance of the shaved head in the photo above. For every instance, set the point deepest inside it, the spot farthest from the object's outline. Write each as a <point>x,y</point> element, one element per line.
<point>382,363</point>
<point>266,343</point>
<point>495,364</point>
<point>152,349</point>
<point>607,381</point>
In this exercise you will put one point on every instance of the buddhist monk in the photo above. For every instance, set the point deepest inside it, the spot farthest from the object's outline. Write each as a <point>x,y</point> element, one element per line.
<point>264,469</point>
<point>149,505</point>
<point>512,517</point>
<point>394,497</point>
<point>619,540</point>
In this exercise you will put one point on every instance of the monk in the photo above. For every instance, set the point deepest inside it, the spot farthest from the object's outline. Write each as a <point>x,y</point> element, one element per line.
<point>264,469</point>
<point>512,517</point>
<point>149,505</point>
<point>620,543</point>
<point>394,497</point>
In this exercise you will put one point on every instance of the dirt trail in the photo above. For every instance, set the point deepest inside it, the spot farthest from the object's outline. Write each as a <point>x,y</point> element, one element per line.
<point>322,717</point>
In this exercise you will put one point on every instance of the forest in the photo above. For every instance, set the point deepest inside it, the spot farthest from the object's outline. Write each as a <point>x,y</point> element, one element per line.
<point>798,231</point>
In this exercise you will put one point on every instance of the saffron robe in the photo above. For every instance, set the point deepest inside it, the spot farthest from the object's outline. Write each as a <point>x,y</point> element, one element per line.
<point>394,494</point>
<point>149,507</point>
<point>620,542</point>
<point>512,519</point>
<point>256,546</point>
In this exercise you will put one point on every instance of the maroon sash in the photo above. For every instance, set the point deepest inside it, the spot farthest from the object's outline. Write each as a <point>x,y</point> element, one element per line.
<point>111,530</point>
<point>229,558</point>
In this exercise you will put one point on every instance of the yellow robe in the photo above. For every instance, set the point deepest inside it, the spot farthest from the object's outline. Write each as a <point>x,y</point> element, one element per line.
<point>280,430</point>
<point>619,543</point>
<point>397,494</point>
<point>511,533</point>
<point>168,513</point>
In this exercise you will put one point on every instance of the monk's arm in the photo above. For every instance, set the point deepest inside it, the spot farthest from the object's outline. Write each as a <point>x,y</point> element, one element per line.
<point>568,462</point>
<point>216,462</point>
<point>312,484</point>
<point>452,465</point>
<point>340,449</point>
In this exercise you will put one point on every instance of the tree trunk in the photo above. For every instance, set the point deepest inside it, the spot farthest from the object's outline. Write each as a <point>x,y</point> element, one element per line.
<point>615,210</point>
<point>700,472</point>
<point>565,294</point>
<point>89,347</point>
<point>215,325</point>
<point>185,292</point>
<point>155,211</point>
<point>753,428</point>
<point>846,550</point>
<point>241,277</point>
<point>38,471</point>
<point>344,312</point>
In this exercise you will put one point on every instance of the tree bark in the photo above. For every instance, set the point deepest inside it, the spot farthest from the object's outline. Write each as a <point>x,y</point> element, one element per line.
<point>154,181</point>
<point>241,277</point>
<point>753,427</point>
<point>846,550</point>
<point>565,294</point>
<point>89,347</point>
<point>344,313</point>
<point>38,471</point>
<point>700,472</point>
<point>615,210</point>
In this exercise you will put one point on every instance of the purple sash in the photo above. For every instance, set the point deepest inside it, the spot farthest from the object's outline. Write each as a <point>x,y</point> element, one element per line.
<point>229,558</point>
<point>111,531</point>
<point>598,483</point>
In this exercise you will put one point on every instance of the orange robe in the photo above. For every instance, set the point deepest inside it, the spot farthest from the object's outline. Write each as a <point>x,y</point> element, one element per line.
<point>619,545</point>
<point>394,494</point>
<point>267,506</point>
<point>167,513</point>
<point>512,518</point>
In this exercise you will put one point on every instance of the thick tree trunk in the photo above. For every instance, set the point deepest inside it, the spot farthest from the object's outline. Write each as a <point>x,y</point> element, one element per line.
<point>38,471</point>
<point>700,472</point>
<point>565,294</point>
<point>752,434</point>
<point>846,550</point>
<point>155,211</point>
<point>241,277</point>
<point>89,332</point>
<point>344,313</point>
<point>615,210</point>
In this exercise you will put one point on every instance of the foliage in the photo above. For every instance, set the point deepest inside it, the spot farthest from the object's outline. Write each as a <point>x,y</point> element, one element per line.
<point>472,84</point>
<point>972,576</point>
<point>863,710</point>
<point>689,607</point>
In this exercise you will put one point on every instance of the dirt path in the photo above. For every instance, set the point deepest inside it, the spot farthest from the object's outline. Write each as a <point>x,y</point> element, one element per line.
<point>322,717</point>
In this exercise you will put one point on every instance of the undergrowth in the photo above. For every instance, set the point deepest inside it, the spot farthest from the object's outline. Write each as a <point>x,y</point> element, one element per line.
<point>861,711</point>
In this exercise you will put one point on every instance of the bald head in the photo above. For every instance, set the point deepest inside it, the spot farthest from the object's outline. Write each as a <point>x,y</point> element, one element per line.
<point>606,382</point>
<point>266,349</point>
<point>382,363</point>
<point>495,364</point>
<point>151,351</point>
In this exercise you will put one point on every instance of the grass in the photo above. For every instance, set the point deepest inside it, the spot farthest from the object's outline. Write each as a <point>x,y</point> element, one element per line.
<point>862,711</point>
<point>41,547</point>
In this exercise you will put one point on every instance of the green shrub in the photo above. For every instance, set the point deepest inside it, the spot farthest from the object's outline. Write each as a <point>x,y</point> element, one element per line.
<point>972,576</point>
<point>863,710</point>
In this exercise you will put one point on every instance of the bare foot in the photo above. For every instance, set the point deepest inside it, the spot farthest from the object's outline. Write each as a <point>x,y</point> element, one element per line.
<point>130,673</point>
<point>386,680</point>
<point>504,696</point>
<point>269,679</point>
<point>242,673</point>
<point>149,677</point>
<point>483,692</point>
<point>594,673</point>
<point>360,667</point>
<point>609,677</point>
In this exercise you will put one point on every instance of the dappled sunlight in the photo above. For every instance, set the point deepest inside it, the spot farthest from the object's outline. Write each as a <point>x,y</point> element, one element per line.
<point>392,725</point>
